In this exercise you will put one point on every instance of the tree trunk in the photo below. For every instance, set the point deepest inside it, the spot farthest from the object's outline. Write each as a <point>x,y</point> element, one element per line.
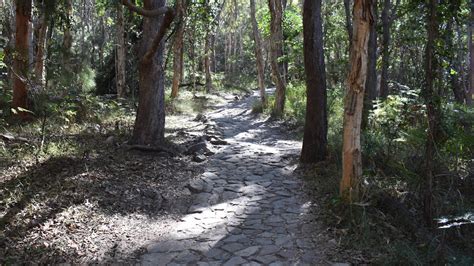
<point>371,83</point>
<point>276,47</point>
<point>67,38</point>
<point>384,90</point>
<point>432,102</point>
<point>454,71</point>
<point>316,124</point>
<point>470,93</point>
<point>207,62</point>
<point>40,33</point>
<point>258,54</point>
<point>354,101</point>
<point>178,49</point>
<point>347,11</point>
<point>149,126</point>
<point>20,63</point>
<point>120,58</point>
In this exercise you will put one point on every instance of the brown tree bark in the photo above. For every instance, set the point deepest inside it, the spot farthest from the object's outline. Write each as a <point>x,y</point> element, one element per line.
<point>470,93</point>
<point>384,90</point>
<point>40,33</point>
<point>316,124</point>
<point>120,56</point>
<point>354,101</point>
<point>276,47</point>
<point>67,38</point>
<point>347,11</point>
<point>388,15</point>
<point>258,54</point>
<point>432,102</point>
<point>149,126</point>
<point>20,63</point>
<point>207,62</point>
<point>178,49</point>
<point>455,73</point>
<point>371,83</point>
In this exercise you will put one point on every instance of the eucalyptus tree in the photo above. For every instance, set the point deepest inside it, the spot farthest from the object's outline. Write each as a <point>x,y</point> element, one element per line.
<point>363,18</point>
<point>316,125</point>
<point>21,58</point>
<point>149,126</point>
<point>276,52</point>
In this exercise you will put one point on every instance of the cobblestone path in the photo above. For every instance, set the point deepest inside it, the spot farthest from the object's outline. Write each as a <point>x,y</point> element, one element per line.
<point>248,208</point>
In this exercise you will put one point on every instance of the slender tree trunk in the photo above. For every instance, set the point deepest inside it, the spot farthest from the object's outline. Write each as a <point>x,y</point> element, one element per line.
<point>347,11</point>
<point>432,102</point>
<point>40,33</point>
<point>276,47</point>
<point>470,93</point>
<point>67,38</point>
<point>120,62</point>
<point>207,62</point>
<point>316,125</point>
<point>258,54</point>
<point>20,63</point>
<point>371,83</point>
<point>455,73</point>
<point>384,90</point>
<point>354,101</point>
<point>178,50</point>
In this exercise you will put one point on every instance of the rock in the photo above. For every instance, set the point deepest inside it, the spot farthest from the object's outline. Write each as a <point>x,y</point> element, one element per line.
<point>200,118</point>
<point>235,261</point>
<point>197,185</point>
<point>248,251</point>
<point>199,158</point>
<point>110,140</point>
<point>218,142</point>
<point>197,148</point>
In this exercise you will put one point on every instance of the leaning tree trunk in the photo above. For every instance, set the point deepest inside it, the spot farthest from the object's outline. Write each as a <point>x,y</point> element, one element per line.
<point>316,124</point>
<point>149,126</point>
<point>384,90</point>
<point>258,54</point>
<point>20,63</point>
<point>354,101</point>
<point>276,47</point>
<point>178,50</point>
<point>120,57</point>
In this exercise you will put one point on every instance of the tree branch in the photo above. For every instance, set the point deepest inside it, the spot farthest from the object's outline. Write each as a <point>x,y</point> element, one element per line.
<point>167,20</point>
<point>144,12</point>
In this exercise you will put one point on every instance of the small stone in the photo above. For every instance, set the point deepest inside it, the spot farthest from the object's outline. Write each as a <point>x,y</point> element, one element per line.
<point>235,261</point>
<point>269,249</point>
<point>248,251</point>
<point>199,158</point>
<point>232,247</point>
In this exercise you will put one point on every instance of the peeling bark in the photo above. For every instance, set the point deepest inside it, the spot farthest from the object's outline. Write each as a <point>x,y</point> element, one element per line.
<point>354,101</point>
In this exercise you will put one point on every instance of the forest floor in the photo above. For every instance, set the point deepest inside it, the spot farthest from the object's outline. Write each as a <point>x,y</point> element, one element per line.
<point>235,194</point>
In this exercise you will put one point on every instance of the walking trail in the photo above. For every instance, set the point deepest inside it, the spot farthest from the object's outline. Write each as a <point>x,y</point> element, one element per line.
<point>249,207</point>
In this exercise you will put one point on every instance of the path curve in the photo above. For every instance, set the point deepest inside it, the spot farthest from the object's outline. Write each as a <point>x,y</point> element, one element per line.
<point>248,207</point>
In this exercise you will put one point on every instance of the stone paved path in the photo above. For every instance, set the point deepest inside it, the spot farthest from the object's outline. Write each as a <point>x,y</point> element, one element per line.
<point>248,208</point>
